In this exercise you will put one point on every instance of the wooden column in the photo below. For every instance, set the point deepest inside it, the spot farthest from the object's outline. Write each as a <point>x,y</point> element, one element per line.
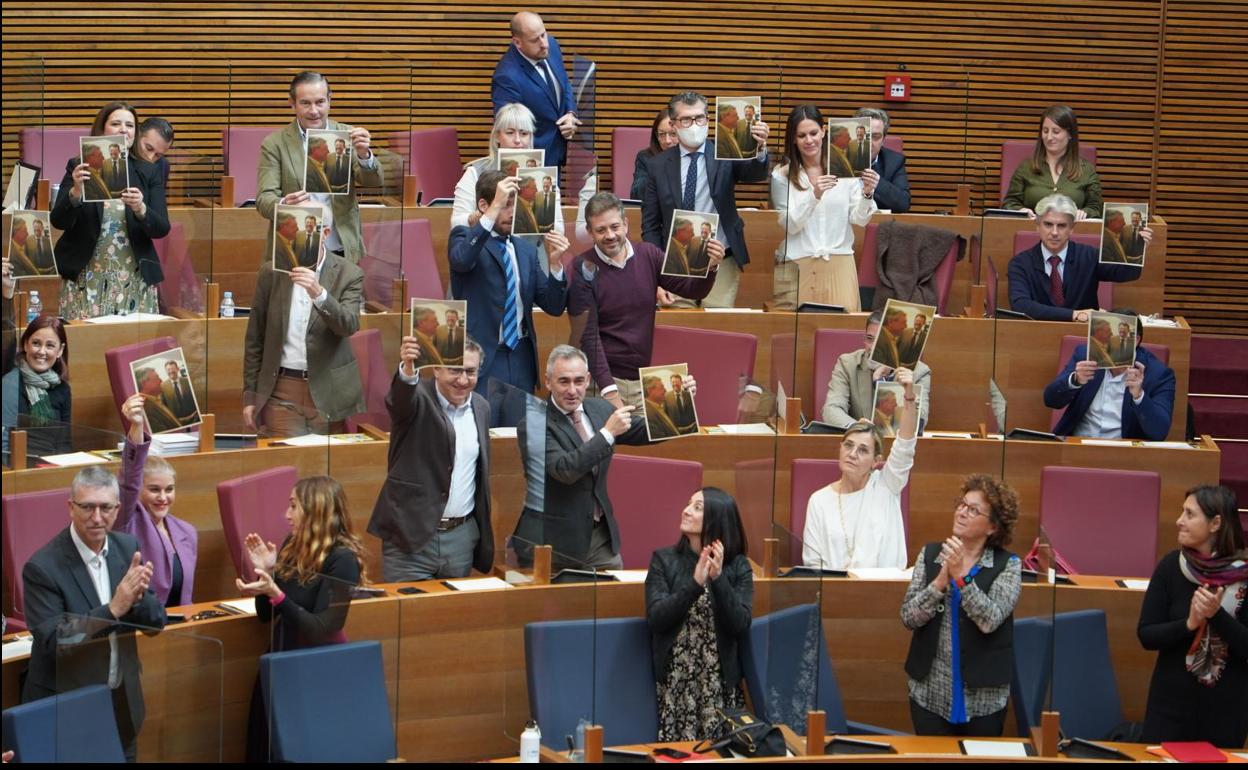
<point>227,192</point>
<point>17,449</point>
<point>43,195</point>
<point>816,728</point>
<point>541,565</point>
<point>212,299</point>
<point>771,556</point>
<point>207,432</point>
<point>21,303</point>
<point>398,295</point>
<point>1044,738</point>
<point>411,192</point>
<point>593,744</point>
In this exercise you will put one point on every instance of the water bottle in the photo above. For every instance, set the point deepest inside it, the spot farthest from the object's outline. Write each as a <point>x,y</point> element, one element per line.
<point>227,305</point>
<point>530,743</point>
<point>34,308</point>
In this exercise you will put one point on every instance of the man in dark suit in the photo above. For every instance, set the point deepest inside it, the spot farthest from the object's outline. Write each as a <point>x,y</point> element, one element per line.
<point>699,256</point>
<point>175,393</point>
<point>1057,279</point>
<point>501,279</point>
<point>688,177</point>
<point>1133,238</point>
<point>1133,402</point>
<point>433,512</point>
<point>544,206</point>
<point>679,406</point>
<point>338,167</point>
<point>449,339</point>
<point>115,172</point>
<point>531,72</point>
<point>572,512</point>
<point>859,153</point>
<point>39,248</point>
<point>307,244</point>
<point>299,371</point>
<point>912,342</point>
<point>892,189</point>
<point>78,588</point>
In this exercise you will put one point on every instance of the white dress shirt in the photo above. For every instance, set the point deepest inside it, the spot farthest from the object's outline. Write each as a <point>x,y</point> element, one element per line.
<point>1061,266</point>
<point>295,346</point>
<point>1104,417</point>
<point>97,569</point>
<point>461,501</point>
<point>818,227</point>
<point>466,195</point>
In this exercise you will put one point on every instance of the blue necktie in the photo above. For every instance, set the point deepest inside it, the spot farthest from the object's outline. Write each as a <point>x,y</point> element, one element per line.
<point>511,308</point>
<point>688,198</point>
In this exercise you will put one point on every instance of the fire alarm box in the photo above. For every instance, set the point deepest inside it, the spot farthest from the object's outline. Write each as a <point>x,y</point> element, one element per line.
<point>897,88</point>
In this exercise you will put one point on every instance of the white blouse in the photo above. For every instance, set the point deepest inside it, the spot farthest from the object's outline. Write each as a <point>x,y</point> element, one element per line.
<point>466,195</point>
<point>818,227</point>
<point>863,528</point>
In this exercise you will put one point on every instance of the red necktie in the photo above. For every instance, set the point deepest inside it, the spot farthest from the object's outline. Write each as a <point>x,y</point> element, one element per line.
<point>1055,282</point>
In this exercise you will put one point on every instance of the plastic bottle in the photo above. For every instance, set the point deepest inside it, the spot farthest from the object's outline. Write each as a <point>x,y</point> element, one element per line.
<point>227,305</point>
<point>34,308</point>
<point>530,743</point>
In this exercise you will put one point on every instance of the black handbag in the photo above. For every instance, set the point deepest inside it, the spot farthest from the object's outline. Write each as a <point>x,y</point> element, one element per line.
<point>743,733</point>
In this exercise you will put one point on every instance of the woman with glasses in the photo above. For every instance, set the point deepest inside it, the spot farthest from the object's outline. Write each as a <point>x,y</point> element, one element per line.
<point>856,520</point>
<point>960,606</point>
<point>662,136</point>
<point>817,211</point>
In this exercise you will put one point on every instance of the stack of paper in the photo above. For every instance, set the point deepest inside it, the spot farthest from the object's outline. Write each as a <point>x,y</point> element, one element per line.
<point>171,444</point>
<point>129,318</point>
<point>335,439</point>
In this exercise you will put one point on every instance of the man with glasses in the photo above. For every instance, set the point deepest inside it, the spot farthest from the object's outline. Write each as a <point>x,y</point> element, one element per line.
<point>851,389</point>
<point>892,190</point>
<point>78,589</point>
<point>433,513</point>
<point>688,177</point>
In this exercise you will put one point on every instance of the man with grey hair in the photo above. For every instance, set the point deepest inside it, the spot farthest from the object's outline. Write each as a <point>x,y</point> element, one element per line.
<point>1057,279</point>
<point>688,177</point>
<point>572,513</point>
<point>892,189</point>
<point>86,592</point>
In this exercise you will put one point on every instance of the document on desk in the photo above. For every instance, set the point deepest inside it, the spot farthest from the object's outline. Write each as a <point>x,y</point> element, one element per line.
<point>18,647</point>
<point>476,584</point>
<point>628,575</point>
<point>129,318</point>
<point>972,748</point>
<point>744,429</point>
<point>74,458</point>
<point>245,606</point>
<point>1133,584</point>
<point>879,573</point>
<point>337,439</point>
<point>502,432</point>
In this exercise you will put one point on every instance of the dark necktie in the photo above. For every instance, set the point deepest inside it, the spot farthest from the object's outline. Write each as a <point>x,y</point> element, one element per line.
<point>549,79</point>
<point>511,308</point>
<point>689,195</point>
<point>309,255</point>
<point>1055,282</point>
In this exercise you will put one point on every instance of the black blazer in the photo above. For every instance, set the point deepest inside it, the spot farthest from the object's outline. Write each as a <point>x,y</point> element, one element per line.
<point>662,195</point>
<point>671,592</point>
<point>62,607</point>
<point>81,224</point>
<point>313,613</point>
<point>418,474</point>
<point>893,191</point>
<point>575,480</point>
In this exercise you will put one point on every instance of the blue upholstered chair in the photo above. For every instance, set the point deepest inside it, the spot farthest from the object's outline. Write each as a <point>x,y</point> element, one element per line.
<point>595,670</point>
<point>328,704</point>
<point>77,726</point>
<point>1029,684</point>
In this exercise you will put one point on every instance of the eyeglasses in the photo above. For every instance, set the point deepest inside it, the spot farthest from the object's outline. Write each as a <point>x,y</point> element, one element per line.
<point>667,135</point>
<point>960,503</point>
<point>93,507</point>
<point>459,371</point>
<point>689,120</point>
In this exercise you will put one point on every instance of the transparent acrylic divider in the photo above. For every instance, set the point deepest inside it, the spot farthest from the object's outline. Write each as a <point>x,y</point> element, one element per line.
<point>135,687</point>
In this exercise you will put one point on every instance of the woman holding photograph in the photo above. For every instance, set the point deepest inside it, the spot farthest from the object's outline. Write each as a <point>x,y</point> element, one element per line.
<point>960,674</point>
<point>662,137</point>
<point>856,520</point>
<point>106,254</point>
<point>148,487</point>
<point>699,600</point>
<point>35,391</point>
<point>1055,167</point>
<point>817,211</point>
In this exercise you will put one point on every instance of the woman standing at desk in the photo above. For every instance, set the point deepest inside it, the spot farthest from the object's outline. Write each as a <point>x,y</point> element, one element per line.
<point>1195,614</point>
<point>148,486</point>
<point>856,520</point>
<point>36,387</point>
<point>699,598</point>
<point>960,665</point>
<point>106,254</point>
<point>1055,167</point>
<point>817,210</point>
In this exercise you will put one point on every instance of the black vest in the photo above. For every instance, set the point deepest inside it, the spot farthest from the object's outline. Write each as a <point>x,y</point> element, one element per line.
<point>987,659</point>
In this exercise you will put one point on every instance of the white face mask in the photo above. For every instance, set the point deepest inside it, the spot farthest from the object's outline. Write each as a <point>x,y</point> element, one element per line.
<point>693,136</point>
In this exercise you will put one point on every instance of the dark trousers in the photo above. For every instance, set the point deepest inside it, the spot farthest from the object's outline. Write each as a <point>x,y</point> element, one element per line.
<point>927,723</point>
<point>511,376</point>
<point>127,731</point>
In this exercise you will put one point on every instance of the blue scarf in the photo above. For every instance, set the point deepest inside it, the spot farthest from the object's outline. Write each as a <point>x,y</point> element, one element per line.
<point>957,709</point>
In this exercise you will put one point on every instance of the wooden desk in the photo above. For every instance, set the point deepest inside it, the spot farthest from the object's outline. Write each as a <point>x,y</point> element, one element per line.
<point>454,661</point>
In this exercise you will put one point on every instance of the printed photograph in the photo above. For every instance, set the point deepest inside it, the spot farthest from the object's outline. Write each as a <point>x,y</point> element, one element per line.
<point>536,201</point>
<point>903,334</point>
<point>1122,239</point>
<point>327,162</point>
<point>168,397</point>
<point>511,161</point>
<point>669,408</point>
<point>1111,339</point>
<point>734,115</point>
<point>297,234</point>
<point>109,160</point>
<point>440,326</point>
<point>30,245</point>
<point>849,146</point>
<point>890,399</point>
<point>686,253</point>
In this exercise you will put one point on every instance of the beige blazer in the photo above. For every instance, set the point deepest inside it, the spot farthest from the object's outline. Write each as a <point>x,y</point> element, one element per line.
<point>281,173</point>
<point>333,374</point>
<point>851,391</point>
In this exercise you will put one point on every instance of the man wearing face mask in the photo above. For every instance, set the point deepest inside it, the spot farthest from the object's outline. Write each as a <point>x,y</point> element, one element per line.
<point>687,177</point>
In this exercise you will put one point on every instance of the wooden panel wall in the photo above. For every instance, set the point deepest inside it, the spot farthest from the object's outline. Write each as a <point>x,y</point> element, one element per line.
<point>1159,86</point>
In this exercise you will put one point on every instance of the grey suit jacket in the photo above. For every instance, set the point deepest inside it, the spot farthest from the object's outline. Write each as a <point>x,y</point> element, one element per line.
<point>71,626</point>
<point>851,390</point>
<point>281,173</point>
<point>333,374</point>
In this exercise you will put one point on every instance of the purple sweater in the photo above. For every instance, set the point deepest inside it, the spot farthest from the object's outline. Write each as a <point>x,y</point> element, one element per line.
<point>133,519</point>
<point>616,309</point>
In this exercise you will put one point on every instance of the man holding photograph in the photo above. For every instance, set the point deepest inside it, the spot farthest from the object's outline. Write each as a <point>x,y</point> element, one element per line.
<point>688,177</point>
<point>851,388</point>
<point>280,173</point>
<point>1133,402</point>
<point>892,189</point>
